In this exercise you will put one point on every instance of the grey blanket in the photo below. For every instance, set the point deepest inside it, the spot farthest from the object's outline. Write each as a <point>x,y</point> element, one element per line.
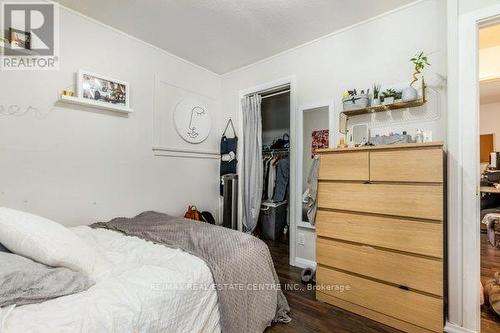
<point>23,281</point>
<point>247,284</point>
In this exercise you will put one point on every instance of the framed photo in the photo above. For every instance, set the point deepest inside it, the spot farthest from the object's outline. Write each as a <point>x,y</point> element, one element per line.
<point>20,39</point>
<point>103,89</point>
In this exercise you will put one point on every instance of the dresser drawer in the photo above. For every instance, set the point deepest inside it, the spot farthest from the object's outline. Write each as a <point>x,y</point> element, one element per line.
<point>418,309</point>
<point>411,165</point>
<point>403,270</point>
<point>406,235</point>
<point>418,201</point>
<point>344,166</point>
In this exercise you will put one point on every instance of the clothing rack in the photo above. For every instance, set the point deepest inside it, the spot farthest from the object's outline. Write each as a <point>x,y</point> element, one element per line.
<point>272,151</point>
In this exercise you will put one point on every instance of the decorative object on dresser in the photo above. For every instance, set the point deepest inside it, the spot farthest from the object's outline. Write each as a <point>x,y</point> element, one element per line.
<point>381,231</point>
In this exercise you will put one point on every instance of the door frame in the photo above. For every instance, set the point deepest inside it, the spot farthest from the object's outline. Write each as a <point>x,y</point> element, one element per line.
<point>290,80</point>
<point>464,171</point>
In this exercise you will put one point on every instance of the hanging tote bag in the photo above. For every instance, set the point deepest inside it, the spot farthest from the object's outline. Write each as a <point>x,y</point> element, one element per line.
<point>228,151</point>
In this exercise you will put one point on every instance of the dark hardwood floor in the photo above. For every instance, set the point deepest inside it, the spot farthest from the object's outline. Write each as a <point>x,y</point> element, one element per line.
<point>490,263</point>
<point>309,315</point>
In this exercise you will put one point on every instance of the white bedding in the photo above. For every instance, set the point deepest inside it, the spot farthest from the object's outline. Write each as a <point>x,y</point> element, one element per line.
<point>134,294</point>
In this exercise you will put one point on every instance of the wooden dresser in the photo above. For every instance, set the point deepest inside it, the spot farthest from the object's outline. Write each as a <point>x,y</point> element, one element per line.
<point>380,233</point>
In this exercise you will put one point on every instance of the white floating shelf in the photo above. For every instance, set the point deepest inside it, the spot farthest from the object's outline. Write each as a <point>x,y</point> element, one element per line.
<point>94,104</point>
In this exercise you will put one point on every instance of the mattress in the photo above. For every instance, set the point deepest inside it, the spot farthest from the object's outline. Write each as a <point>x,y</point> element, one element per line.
<point>145,288</point>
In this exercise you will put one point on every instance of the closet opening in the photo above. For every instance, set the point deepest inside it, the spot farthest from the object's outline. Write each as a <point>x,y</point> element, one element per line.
<point>274,217</point>
<point>266,167</point>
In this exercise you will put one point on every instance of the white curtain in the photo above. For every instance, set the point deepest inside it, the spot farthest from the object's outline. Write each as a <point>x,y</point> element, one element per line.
<point>252,169</point>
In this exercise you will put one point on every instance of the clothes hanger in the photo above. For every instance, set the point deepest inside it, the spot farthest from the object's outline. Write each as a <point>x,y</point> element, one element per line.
<point>229,122</point>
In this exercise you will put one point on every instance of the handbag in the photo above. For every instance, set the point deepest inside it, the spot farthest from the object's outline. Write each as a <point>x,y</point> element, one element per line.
<point>193,213</point>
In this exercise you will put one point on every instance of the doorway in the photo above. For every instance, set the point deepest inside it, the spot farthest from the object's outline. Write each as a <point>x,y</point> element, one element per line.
<point>489,130</point>
<point>464,170</point>
<point>277,97</point>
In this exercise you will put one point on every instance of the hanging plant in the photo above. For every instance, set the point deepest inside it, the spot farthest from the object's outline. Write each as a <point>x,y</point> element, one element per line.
<point>420,61</point>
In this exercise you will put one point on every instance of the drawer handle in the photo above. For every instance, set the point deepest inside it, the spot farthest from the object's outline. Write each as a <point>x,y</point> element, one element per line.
<point>367,247</point>
<point>367,182</point>
<point>404,288</point>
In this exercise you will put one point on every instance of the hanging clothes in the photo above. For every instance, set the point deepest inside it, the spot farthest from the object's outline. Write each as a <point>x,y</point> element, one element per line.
<point>271,179</point>
<point>266,165</point>
<point>282,180</point>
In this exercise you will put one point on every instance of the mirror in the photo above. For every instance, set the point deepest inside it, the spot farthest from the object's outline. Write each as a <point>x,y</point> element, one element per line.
<point>315,135</point>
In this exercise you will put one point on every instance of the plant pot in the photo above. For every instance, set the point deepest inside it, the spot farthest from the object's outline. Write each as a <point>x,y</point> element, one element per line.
<point>375,101</point>
<point>388,100</point>
<point>409,94</point>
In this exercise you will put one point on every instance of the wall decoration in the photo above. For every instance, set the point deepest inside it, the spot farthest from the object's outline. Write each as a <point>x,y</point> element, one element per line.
<point>320,140</point>
<point>192,120</point>
<point>103,89</point>
<point>20,39</point>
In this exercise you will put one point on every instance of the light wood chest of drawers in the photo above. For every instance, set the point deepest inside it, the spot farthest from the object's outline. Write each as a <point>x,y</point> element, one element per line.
<point>380,233</point>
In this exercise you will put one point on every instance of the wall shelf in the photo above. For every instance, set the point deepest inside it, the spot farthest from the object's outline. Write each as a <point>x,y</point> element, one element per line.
<point>382,108</point>
<point>344,115</point>
<point>94,104</point>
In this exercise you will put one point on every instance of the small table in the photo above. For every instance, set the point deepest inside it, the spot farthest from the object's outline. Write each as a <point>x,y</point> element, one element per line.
<point>490,189</point>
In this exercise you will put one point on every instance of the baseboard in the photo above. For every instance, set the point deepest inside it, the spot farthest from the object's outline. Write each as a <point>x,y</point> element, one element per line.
<point>304,263</point>
<point>452,328</point>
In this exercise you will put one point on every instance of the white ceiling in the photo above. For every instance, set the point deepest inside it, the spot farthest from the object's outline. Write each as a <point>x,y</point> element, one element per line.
<point>490,91</point>
<point>223,35</point>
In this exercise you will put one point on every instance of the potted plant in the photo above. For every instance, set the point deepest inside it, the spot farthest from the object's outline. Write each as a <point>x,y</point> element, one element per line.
<point>389,96</point>
<point>376,94</point>
<point>419,61</point>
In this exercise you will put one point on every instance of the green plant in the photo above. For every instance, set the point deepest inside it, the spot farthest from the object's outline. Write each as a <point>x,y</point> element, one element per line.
<point>392,93</point>
<point>376,90</point>
<point>420,61</point>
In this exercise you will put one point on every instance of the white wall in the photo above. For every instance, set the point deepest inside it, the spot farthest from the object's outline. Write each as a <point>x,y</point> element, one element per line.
<point>489,120</point>
<point>78,165</point>
<point>376,51</point>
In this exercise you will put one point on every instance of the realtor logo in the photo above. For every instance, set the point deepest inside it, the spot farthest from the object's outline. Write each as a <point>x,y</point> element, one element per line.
<point>30,36</point>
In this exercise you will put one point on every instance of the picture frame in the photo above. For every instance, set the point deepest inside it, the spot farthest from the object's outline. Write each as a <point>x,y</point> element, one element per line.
<point>102,89</point>
<point>20,39</point>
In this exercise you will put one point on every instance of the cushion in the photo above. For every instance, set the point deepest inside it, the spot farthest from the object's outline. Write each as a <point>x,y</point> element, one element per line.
<point>44,241</point>
<point>23,281</point>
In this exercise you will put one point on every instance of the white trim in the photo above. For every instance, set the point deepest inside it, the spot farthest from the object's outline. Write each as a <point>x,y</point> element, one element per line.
<point>452,328</point>
<point>319,39</point>
<point>290,80</point>
<point>183,152</point>
<point>454,187</point>
<point>466,156</point>
<point>304,263</point>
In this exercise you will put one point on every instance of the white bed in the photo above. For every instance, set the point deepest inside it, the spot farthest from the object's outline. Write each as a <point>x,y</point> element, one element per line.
<point>135,293</point>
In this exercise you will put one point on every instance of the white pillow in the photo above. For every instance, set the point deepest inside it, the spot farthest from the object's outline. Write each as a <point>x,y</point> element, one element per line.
<point>44,241</point>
